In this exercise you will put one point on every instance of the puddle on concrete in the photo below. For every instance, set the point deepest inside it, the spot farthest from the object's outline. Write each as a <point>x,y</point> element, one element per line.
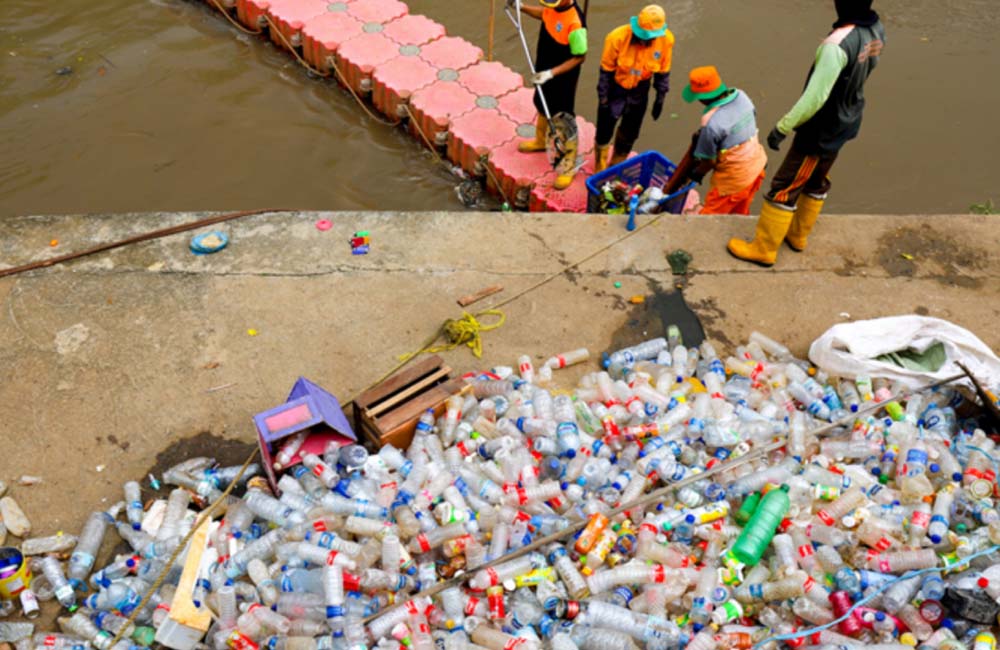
<point>652,318</point>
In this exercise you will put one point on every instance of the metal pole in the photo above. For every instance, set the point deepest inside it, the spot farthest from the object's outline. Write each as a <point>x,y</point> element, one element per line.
<point>492,28</point>
<point>527,54</point>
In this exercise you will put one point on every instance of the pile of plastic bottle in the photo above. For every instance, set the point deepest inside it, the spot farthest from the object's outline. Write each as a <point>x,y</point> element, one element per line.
<point>881,531</point>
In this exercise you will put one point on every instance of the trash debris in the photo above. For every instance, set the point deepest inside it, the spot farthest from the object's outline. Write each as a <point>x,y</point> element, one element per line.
<point>65,70</point>
<point>252,332</point>
<point>323,225</point>
<point>679,261</point>
<point>360,243</point>
<point>53,243</point>
<point>618,285</point>
<point>678,498</point>
<point>906,256</point>
<point>29,480</point>
<point>14,632</point>
<point>209,242</point>
<point>58,543</point>
<point>637,299</point>
<point>14,518</point>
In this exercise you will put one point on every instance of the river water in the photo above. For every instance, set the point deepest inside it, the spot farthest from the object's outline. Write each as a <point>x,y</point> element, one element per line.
<point>162,105</point>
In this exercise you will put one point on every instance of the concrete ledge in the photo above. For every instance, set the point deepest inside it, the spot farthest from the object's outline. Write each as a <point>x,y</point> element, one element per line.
<point>113,359</point>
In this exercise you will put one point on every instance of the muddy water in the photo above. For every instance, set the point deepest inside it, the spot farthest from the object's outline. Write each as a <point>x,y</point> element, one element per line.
<point>166,107</point>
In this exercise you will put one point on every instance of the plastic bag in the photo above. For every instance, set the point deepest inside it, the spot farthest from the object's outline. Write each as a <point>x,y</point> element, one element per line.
<point>849,350</point>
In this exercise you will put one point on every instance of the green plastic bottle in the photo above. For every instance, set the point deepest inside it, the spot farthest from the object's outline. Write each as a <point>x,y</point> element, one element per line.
<point>747,508</point>
<point>759,531</point>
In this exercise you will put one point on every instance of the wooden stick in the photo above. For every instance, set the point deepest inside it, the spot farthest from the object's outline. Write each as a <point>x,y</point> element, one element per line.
<point>648,499</point>
<point>465,301</point>
<point>492,28</point>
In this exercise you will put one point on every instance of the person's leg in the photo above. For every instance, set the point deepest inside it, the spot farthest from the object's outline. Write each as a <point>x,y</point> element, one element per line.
<point>628,131</point>
<point>736,203</point>
<point>602,141</point>
<point>776,213</point>
<point>810,204</point>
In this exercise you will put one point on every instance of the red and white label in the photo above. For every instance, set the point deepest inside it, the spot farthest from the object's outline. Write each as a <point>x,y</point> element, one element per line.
<point>424,544</point>
<point>522,496</point>
<point>659,573</point>
<point>806,550</point>
<point>470,605</point>
<point>331,557</point>
<point>825,517</point>
<point>561,361</point>
<point>883,544</point>
<point>319,526</point>
<point>491,573</point>
<point>920,519</point>
<point>513,642</point>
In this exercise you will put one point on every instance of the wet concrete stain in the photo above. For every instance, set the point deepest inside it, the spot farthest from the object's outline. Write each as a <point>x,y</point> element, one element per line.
<point>651,319</point>
<point>712,317</point>
<point>926,252</point>
<point>123,445</point>
<point>225,451</point>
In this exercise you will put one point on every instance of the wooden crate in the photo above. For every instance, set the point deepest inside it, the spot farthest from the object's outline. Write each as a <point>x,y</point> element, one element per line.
<point>388,413</point>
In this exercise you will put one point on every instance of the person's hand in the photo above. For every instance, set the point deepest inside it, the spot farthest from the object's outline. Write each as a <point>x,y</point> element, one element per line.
<point>541,77</point>
<point>658,106</point>
<point>774,139</point>
<point>511,4</point>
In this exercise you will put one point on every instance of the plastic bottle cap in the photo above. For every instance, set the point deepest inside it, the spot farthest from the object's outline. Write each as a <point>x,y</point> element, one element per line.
<point>983,582</point>
<point>908,639</point>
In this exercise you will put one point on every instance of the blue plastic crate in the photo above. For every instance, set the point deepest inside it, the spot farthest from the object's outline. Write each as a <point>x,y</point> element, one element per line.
<point>649,169</point>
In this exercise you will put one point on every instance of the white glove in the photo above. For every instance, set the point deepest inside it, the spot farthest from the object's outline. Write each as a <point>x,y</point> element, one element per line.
<point>541,77</point>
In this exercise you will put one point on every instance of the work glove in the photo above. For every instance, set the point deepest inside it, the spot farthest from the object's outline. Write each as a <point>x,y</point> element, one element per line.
<point>658,106</point>
<point>541,77</point>
<point>774,139</point>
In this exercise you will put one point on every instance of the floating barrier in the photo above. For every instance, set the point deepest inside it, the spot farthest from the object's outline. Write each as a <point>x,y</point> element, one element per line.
<point>471,111</point>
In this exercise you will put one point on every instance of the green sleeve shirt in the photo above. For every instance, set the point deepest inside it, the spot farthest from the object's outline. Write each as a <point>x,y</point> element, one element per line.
<point>830,61</point>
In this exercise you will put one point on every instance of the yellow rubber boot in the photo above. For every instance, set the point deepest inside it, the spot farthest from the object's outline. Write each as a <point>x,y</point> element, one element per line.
<point>618,157</point>
<point>601,152</point>
<point>772,226</point>
<point>541,133</point>
<point>566,169</point>
<point>806,213</point>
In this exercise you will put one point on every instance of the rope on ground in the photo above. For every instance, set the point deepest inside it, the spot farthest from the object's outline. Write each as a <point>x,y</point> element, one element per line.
<point>155,234</point>
<point>467,330</point>
<point>206,515</point>
<point>235,23</point>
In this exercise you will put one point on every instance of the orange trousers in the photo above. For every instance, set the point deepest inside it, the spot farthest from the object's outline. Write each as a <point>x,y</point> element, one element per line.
<point>736,203</point>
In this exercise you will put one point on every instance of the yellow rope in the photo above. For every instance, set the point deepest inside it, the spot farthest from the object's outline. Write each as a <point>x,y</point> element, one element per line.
<point>466,330</point>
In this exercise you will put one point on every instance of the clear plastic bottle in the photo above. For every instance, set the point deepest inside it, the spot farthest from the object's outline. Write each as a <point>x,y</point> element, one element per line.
<point>63,590</point>
<point>289,447</point>
<point>133,504</point>
<point>87,547</point>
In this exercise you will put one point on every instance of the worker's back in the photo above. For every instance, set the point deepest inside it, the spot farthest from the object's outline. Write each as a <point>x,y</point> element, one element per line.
<point>840,118</point>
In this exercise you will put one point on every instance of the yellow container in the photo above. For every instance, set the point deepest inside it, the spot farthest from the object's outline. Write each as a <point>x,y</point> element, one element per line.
<point>15,576</point>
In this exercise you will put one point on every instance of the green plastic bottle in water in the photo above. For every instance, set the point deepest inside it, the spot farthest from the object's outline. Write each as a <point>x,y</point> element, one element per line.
<point>759,531</point>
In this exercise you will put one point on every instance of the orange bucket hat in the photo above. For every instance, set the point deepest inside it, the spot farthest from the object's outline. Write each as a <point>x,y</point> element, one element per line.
<point>705,83</point>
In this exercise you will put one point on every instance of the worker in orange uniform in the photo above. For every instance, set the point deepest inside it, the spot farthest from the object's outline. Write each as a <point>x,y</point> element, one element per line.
<point>636,56</point>
<point>562,47</point>
<point>726,145</point>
